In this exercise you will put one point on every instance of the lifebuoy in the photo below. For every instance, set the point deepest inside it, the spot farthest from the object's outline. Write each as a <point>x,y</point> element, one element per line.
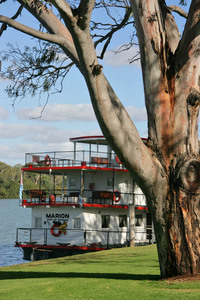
<point>58,229</point>
<point>116,196</point>
<point>47,160</point>
<point>117,160</point>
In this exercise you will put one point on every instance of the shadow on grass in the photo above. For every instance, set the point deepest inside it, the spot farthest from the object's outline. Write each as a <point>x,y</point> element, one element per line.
<point>121,276</point>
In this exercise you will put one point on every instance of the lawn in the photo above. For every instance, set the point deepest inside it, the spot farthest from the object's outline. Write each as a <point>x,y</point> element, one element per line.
<point>126,273</point>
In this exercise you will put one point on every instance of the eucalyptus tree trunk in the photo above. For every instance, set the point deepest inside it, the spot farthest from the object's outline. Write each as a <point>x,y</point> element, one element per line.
<point>171,77</point>
<point>167,169</point>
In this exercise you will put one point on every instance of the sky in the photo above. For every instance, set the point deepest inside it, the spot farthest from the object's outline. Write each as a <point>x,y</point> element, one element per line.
<point>67,114</point>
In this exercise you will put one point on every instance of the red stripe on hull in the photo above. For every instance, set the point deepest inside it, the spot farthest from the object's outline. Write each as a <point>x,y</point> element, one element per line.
<point>59,247</point>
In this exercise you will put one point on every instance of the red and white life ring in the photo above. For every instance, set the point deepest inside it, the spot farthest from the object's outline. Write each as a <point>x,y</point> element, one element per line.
<point>117,160</point>
<point>47,160</point>
<point>116,196</point>
<point>58,231</point>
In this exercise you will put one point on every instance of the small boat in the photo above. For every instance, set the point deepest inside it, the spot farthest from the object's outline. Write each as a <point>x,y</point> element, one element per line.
<point>92,202</point>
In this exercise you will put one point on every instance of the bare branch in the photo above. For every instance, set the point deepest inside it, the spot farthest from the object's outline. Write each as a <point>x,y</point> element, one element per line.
<point>4,26</point>
<point>114,29</point>
<point>43,108</point>
<point>18,12</point>
<point>191,35</point>
<point>178,10</point>
<point>126,47</point>
<point>57,31</point>
<point>30,31</point>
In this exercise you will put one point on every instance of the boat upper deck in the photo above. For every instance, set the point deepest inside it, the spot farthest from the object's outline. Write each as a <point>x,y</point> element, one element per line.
<point>71,159</point>
<point>91,152</point>
<point>88,152</point>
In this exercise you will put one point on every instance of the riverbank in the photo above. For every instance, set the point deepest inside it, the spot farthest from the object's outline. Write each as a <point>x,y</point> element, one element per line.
<point>128,273</point>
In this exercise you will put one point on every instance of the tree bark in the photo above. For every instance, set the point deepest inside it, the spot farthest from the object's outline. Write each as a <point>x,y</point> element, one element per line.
<point>171,83</point>
<point>177,220</point>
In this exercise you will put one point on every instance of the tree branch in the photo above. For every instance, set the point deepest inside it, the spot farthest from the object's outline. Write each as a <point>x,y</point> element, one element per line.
<point>58,32</point>
<point>190,40</point>
<point>178,10</point>
<point>86,8</point>
<point>35,69</point>
<point>122,135</point>
<point>158,37</point>
<point>81,15</point>
<point>18,12</point>
<point>4,26</point>
<point>30,31</point>
<point>109,35</point>
<point>63,7</point>
<point>46,18</point>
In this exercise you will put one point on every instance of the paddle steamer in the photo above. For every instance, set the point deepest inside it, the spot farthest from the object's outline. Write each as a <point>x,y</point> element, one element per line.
<point>92,202</point>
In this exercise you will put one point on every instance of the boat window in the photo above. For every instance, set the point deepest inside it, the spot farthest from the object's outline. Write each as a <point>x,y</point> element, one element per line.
<point>38,222</point>
<point>73,183</point>
<point>149,220</point>
<point>139,220</point>
<point>109,182</point>
<point>77,223</point>
<point>122,221</point>
<point>105,221</point>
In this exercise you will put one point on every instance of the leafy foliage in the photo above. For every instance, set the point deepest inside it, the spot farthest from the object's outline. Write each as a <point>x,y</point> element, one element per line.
<point>34,69</point>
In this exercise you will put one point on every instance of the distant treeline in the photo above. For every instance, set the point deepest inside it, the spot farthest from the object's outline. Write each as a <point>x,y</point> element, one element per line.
<point>10,181</point>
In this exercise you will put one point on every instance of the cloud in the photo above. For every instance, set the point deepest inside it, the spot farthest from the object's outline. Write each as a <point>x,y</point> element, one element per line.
<point>138,114</point>
<point>37,138</point>
<point>5,151</point>
<point>4,115</point>
<point>49,135</point>
<point>112,58</point>
<point>72,113</point>
<point>35,133</point>
<point>59,112</point>
<point>12,130</point>
<point>40,147</point>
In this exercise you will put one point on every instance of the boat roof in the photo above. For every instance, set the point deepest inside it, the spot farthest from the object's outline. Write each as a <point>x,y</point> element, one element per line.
<point>95,139</point>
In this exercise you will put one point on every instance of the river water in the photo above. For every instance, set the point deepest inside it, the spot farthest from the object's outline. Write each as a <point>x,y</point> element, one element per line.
<point>12,216</point>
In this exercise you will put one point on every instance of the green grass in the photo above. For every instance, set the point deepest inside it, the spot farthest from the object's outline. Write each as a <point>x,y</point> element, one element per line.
<point>127,273</point>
